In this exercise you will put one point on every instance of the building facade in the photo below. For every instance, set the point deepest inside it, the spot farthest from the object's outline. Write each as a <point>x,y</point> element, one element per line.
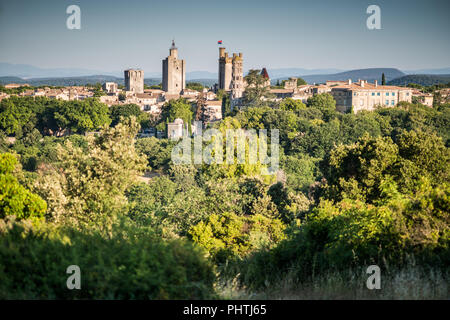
<point>237,80</point>
<point>173,72</point>
<point>225,70</point>
<point>362,95</point>
<point>110,87</point>
<point>134,80</point>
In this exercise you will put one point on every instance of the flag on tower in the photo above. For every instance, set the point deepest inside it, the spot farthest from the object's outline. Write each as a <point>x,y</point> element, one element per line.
<point>219,42</point>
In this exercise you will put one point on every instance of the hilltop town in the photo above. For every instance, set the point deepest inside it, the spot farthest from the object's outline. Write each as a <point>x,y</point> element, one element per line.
<point>232,85</point>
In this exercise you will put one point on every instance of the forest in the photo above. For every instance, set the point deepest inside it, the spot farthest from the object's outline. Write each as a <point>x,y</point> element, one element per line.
<point>353,190</point>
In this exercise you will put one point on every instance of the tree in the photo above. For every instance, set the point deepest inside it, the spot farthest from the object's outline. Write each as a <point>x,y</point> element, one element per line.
<point>228,235</point>
<point>256,89</point>
<point>301,82</point>
<point>383,79</point>
<point>292,105</point>
<point>126,111</point>
<point>197,86</point>
<point>88,185</point>
<point>15,199</point>
<point>176,109</point>
<point>322,101</point>
<point>80,115</point>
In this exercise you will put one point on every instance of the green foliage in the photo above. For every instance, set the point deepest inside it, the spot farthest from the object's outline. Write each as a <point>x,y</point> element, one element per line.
<point>20,115</point>
<point>176,109</point>
<point>15,199</point>
<point>88,185</point>
<point>352,233</point>
<point>256,89</point>
<point>157,151</point>
<point>195,86</point>
<point>324,102</point>
<point>356,171</point>
<point>230,235</point>
<point>126,111</point>
<point>130,264</point>
<point>292,105</point>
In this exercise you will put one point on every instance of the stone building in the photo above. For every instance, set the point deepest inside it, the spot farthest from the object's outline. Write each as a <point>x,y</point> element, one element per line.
<point>173,72</point>
<point>110,87</point>
<point>134,80</point>
<point>237,80</point>
<point>423,98</point>
<point>175,129</point>
<point>362,95</point>
<point>225,70</point>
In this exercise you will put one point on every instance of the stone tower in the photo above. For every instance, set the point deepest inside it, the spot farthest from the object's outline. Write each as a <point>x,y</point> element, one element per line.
<point>173,72</point>
<point>225,70</point>
<point>134,80</point>
<point>237,80</point>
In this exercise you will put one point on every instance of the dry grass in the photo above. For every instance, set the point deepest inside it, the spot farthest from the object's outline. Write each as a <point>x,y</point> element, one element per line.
<point>411,283</point>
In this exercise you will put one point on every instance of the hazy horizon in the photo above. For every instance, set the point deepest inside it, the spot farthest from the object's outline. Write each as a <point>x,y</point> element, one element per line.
<point>285,34</point>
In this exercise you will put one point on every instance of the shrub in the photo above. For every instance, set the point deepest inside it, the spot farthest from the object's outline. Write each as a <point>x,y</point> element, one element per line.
<point>128,265</point>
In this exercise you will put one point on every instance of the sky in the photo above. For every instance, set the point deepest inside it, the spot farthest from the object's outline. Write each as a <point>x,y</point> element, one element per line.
<point>118,34</point>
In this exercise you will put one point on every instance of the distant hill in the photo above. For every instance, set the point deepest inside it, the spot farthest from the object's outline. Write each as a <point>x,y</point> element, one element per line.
<point>442,71</point>
<point>370,74</point>
<point>29,71</point>
<point>72,81</point>
<point>421,79</point>
<point>5,80</point>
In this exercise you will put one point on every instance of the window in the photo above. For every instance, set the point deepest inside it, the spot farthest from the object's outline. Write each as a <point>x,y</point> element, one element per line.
<point>387,102</point>
<point>373,93</point>
<point>387,94</point>
<point>407,94</point>
<point>378,94</point>
<point>355,94</point>
<point>393,93</point>
<point>392,102</point>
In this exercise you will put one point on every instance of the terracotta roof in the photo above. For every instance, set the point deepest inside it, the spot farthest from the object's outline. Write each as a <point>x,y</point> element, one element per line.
<point>369,86</point>
<point>282,90</point>
<point>213,103</point>
<point>145,96</point>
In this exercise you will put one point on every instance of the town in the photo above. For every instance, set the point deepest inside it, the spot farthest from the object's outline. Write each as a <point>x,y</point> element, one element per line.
<point>304,157</point>
<point>349,96</point>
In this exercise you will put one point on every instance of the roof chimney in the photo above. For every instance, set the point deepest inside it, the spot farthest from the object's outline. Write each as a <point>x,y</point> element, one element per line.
<point>376,83</point>
<point>349,81</point>
<point>362,83</point>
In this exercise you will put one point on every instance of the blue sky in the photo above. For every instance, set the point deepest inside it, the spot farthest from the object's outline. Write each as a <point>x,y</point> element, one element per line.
<point>117,34</point>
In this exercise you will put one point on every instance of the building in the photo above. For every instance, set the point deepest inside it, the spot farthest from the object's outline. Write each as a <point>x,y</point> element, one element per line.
<point>173,72</point>
<point>362,95</point>
<point>16,85</point>
<point>290,84</point>
<point>212,110</point>
<point>225,70</point>
<point>423,98</point>
<point>134,80</point>
<point>237,80</point>
<point>266,77</point>
<point>175,129</point>
<point>110,87</point>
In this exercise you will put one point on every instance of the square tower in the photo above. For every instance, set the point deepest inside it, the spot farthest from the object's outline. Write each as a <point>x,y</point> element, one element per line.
<point>173,72</point>
<point>134,80</point>
<point>225,70</point>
